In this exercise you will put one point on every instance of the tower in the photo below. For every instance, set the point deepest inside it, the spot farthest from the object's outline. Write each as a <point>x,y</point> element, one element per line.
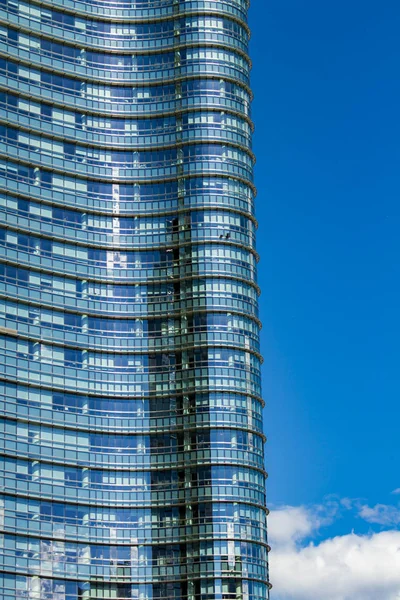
<point>132,449</point>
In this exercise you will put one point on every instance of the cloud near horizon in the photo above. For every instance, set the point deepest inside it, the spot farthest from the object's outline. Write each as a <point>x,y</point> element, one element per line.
<point>347,567</point>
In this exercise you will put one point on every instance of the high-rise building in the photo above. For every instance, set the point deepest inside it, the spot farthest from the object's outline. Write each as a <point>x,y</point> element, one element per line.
<point>131,416</point>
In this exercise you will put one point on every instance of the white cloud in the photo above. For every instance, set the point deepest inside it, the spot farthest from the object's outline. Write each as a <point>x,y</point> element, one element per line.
<point>381,514</point>
<point>348,567</point>
<point>291,524</point>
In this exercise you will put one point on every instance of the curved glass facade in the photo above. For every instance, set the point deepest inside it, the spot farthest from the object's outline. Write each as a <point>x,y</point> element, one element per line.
<point>131,459</point>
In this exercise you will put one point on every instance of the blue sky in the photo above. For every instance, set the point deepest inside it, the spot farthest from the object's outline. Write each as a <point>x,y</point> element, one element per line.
<point>326,109</point>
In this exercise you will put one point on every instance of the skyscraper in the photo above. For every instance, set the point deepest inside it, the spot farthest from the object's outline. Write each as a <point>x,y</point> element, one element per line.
<point>132,445</point>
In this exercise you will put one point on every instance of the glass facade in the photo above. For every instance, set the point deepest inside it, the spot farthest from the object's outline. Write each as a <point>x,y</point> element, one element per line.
<point>131,414</point>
